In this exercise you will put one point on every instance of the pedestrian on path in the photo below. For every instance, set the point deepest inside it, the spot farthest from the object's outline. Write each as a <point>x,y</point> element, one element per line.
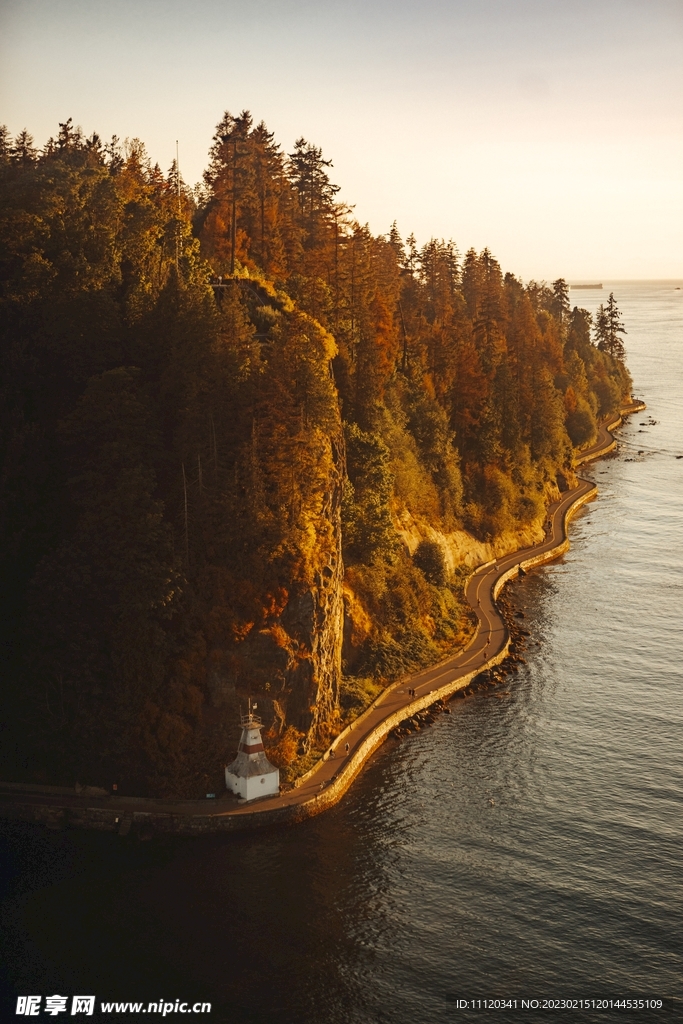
<point>346,748</point>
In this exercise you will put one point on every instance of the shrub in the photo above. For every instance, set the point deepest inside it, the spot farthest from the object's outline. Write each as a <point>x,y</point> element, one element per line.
<point>429,560</point>
<point>356,694</point>
<point>284,752</point>
<point>581,425</point>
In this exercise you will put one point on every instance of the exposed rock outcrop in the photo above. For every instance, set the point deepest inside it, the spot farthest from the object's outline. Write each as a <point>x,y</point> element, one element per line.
<point>294,662</point>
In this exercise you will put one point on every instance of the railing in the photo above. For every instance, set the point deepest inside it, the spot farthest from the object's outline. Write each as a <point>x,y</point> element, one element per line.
<point>251,720</point>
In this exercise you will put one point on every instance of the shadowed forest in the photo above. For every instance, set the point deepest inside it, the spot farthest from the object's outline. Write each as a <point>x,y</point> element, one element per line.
<point>249,449</point>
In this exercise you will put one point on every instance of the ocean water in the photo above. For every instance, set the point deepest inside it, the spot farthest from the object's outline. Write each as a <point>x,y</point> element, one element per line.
<point>526,847</point>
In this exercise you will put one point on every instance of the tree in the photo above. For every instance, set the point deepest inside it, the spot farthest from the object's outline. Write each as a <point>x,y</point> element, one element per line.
<point>560,305</point>
<point>608,327</point>
<point>100,599</point>
<point>600,328</point>
<point>368,532</point>
<point>312,183</point>
<point>428,557</point>
<point>234,140</point>
<point>579,333</point>
<point>5,143</point>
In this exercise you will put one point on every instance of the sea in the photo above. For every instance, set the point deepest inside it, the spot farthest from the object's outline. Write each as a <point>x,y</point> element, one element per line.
<point>522,859</point>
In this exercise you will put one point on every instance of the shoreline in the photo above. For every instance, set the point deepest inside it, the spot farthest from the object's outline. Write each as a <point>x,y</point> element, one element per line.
<point>329,779</point>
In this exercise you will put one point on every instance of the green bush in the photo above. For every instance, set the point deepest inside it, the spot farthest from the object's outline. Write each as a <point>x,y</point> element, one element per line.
<point>428,557</point>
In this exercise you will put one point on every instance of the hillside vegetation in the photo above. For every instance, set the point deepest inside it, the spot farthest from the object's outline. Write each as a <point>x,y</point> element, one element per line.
<point>250,449</point>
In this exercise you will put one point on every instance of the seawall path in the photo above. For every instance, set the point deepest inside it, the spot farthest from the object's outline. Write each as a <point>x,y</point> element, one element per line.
<point>330,778</point>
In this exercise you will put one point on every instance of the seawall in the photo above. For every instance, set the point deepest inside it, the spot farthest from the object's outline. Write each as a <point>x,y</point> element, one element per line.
<point>324,785</point>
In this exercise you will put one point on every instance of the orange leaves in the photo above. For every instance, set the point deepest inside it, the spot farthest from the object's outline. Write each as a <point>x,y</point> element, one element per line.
<point>570,402</point>
<point>386,337</point>
<point>240,630</point>
<point>469,393</point>
<point>377,352</point>
<point>275,603</point>
<point>280,637</point>
<point>551,342</point>
<point>284,752</point>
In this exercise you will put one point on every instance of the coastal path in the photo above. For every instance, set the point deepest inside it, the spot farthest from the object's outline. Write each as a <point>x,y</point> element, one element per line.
<point>329,779</point>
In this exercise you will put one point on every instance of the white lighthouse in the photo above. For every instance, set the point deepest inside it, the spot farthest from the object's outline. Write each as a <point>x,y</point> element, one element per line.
<point>251,775</point>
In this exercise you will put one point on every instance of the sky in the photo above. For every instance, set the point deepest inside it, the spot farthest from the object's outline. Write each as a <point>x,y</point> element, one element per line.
<point>550,131</point>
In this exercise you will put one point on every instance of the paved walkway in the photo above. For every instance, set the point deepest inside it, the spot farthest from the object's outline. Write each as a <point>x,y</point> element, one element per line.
<point>330,778</point>
<point>489,643</point>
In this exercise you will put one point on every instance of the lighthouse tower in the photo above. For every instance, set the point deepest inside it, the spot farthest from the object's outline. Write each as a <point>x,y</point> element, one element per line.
<point>251,775</point>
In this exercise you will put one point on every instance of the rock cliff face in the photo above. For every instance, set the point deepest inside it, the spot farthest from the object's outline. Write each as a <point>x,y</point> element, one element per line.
<point>314,620</point>
<point>461,551</point>
<point>294,663</point>
<point>459,547</point>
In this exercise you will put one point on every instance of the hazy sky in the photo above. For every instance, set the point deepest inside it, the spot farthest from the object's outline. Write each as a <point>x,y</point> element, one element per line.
<point>549,130</point>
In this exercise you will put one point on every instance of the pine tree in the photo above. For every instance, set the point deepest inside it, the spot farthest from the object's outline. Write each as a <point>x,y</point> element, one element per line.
<point>600,328</point>
<point>560,305</point>
<point>608,328</point>
<point>311,182</point>
<point>5,143</point>
<point>579,332</point>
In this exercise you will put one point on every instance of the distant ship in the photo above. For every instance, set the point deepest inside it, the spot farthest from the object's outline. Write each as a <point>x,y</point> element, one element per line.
<point>574,287</point>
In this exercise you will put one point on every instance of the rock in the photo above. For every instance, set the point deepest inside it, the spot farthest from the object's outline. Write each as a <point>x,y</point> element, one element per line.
<point>357,627</point>
<point>297,657</point>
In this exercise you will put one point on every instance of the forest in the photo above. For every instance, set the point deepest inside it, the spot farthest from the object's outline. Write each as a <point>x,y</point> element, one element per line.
<point>251,450</point>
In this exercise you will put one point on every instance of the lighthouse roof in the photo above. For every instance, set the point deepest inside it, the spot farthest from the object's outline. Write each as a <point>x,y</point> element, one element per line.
<point>245,767</point>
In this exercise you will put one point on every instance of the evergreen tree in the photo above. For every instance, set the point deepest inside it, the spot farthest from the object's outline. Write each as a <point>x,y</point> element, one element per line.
<point>560,305</point>
<point>5,143</point>
<point>311,182</point>
<point>608,327</point>
<point>579,332</point>
<point>601,329</point>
